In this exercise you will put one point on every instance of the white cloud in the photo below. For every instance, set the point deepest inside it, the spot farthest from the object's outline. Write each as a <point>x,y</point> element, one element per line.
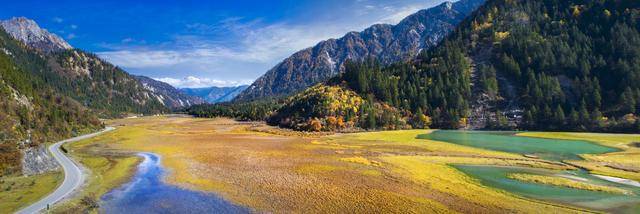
<point>143,58</point>
<point>127,40</point>
<point>397,14</point>
<point>262,45</point>
<point>195,82</point>
<point>57,20</point>
<point>71,36</point>
<point>73,26</point>
<point>236,48</point>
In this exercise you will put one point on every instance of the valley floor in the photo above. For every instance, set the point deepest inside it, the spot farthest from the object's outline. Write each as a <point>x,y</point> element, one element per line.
<point>267,169</point>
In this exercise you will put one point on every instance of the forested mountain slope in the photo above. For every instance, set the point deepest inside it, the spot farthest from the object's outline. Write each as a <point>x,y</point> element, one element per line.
<point>93,82</point>
<point>99,85</point>
<point>387,43</point>
<point>520,64</point>
<point>32,112</point>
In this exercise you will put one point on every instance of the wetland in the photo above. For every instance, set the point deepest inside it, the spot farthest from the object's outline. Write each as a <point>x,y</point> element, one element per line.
<point>242,167</point>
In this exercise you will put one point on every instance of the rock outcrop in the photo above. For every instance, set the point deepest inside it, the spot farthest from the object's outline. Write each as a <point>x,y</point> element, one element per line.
<point>28,32</point>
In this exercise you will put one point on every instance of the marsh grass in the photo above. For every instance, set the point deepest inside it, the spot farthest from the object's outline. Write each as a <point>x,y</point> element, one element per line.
<point>565,182</point>
<point>362,160</point>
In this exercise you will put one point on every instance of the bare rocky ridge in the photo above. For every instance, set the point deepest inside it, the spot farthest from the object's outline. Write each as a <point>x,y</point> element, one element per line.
<point>387,43</point>
<point>28,32</point>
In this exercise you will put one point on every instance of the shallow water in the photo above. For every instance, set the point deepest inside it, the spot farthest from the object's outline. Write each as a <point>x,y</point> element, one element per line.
<point>550,149</point>
<point>496,177</point>
<point>147,193</point>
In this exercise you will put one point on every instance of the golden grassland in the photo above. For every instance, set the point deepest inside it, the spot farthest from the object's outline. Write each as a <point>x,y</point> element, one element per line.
<point>274,170</point>
<point>624,164</point>
<point>19,191</point>
<point>565,182</point>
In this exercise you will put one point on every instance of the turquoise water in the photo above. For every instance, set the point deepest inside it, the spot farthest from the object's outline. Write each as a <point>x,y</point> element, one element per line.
<point>147,193</point>
<point>496,177</point>
<point>549,149</point>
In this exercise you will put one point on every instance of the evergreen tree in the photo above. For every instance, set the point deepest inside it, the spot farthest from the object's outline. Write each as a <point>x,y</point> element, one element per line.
<point>559,116</point>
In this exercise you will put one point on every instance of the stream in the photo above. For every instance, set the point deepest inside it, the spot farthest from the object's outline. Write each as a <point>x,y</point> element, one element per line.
<point>147,193</point>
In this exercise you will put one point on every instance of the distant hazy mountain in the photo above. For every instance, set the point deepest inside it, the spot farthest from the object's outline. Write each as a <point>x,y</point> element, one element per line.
<point>215,94</point>
<point>28,32</point>
<point>167,94</point>
<point>387,43</point>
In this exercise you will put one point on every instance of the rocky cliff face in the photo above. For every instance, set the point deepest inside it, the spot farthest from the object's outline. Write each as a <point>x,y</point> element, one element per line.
<point>28,32</point>
<point>36,160</point>
<point>387,43</point>
<point>167,94</point>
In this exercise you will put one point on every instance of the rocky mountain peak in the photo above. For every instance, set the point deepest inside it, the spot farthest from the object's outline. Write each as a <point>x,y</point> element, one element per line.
<point>387,43</point>
<point>30,33</point>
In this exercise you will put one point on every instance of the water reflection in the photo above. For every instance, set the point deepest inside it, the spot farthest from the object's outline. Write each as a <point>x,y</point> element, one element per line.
<point>147,193</point>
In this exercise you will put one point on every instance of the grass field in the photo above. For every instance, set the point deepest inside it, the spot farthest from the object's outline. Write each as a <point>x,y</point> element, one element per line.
<point>273,170</point>
<point>19,191</point>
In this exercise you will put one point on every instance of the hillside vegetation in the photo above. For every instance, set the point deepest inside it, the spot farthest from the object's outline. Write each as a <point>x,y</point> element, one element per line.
<point>331,108</point>
<point>99,85</point>
<point>32,111</point>
<point>519,64</point>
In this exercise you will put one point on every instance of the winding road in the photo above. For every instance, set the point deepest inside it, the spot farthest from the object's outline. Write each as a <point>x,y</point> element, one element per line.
<point>73,176</point>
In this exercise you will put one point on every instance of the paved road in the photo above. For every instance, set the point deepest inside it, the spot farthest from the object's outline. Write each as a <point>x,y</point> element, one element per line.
<point>73,176</point>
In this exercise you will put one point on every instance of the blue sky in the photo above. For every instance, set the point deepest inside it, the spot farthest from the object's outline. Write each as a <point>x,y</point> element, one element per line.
<point>205,43</point>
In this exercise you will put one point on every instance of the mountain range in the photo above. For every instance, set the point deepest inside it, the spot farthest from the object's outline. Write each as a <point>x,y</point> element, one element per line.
<point>93,81</point>
<point>384,42</point>
<point>167,94</point>
<point>215,94</point>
